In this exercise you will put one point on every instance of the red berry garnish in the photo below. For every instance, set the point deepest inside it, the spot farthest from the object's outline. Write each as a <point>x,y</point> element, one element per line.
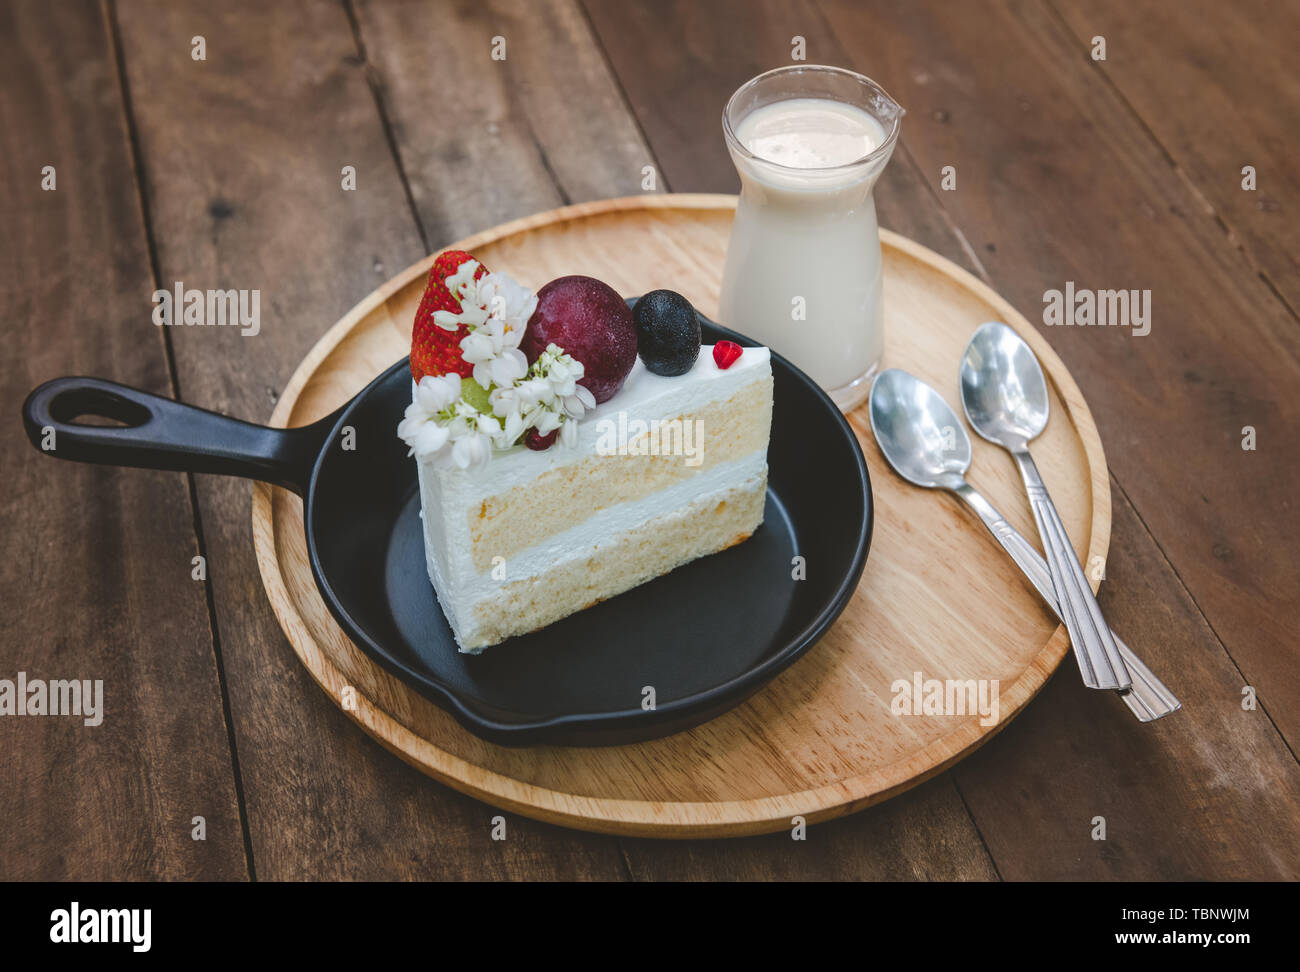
<point>436,350</point>
<point>725,353</point>
<point>540,443</point>
<point>592,324</point>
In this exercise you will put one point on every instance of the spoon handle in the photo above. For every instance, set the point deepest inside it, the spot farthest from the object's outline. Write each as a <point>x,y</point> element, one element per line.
<point>1149,698</point>
<point>1094,647</point>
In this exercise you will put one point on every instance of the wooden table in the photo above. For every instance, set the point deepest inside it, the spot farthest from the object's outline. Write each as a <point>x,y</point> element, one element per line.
<point>226,172</point>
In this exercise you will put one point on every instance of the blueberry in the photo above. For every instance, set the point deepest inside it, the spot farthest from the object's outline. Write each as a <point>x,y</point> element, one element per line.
<point>667,332</point>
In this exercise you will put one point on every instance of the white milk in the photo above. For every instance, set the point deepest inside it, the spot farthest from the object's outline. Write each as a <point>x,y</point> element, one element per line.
<point>803,272</point>
<point>810,133</point>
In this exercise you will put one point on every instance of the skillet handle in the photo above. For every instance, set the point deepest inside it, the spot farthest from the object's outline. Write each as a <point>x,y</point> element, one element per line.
<point>160,433</point>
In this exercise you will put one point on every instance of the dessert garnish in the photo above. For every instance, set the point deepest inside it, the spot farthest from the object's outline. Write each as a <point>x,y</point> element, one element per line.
<point>435,350</point>
<point>476,391</point>
<point>667,332</point>
<point>591,322</point>
<point>538,442</point>
<point>726,353</point>
<point>503,376</point>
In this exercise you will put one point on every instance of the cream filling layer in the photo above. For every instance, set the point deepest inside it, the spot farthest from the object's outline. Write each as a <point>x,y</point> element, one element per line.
<point>580,540</point>
<point>448,494</point>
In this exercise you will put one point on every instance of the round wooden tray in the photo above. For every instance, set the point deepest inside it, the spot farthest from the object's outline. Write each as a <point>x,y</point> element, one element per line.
<point>938,595</point>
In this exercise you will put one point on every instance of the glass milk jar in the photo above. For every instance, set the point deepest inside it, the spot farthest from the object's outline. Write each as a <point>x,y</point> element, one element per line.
<point>803,272</point>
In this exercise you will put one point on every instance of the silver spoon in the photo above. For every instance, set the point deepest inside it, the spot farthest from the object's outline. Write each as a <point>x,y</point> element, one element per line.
<point>1005,396</point>
<point>925,443</point>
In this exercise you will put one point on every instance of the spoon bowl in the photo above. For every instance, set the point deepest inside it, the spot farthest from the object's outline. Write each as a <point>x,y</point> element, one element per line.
<point>919,433</point>
<point>1004,394</point>
<point>923,441</point>
<point>1003,389</point>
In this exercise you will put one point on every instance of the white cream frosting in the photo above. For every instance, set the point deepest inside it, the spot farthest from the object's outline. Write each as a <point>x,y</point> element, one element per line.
<point>447,493</point>
<point>644,394</point>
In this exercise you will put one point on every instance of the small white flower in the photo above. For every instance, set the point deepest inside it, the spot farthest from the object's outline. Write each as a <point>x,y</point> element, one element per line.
<point>533,416</point>
<point>469,314</point>
<point>504,401</point>
<point>464,287</point>
<point>424,428</point>
<point>562,385</point>
<point>502,370</point>
<point>509,433</point>
<point>442,426</point>
<point>471,450</point>
<point>462,282</point>
<point>409,427</point>
<point>576,405</point>
<point>548,422</point>
<point>534,391</point>
<point>492,346</point>
<point>477,347</point>
<point>507,301</point>
<point>436,392</point>
<point>429,440</point>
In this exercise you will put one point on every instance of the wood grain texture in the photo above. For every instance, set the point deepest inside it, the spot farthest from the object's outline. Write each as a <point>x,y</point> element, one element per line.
<point>1245,109</point>
<point>483,140</point>
<point>918,836</point>
<point>95,581</point>
<point>1209,793</point>
<point>1057,181</point>
<point>242,164</point>
<point>821,740</point>
<point>1007,88</point>
<point>671,87</point>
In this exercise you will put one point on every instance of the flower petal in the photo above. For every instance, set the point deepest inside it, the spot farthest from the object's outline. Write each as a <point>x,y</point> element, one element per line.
<point>430,439</point>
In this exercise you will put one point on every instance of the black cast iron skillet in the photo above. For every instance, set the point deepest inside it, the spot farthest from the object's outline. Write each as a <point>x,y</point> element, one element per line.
<point>658,659</point>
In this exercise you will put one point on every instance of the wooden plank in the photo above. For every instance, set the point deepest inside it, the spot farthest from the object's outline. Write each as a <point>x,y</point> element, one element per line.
<point>672,88</point>
<point>483,141</point>
<point>96,578</point>
<point>1216,84</point>
<point>1209,793</point>
<point>1170,405</point>
<point>909,838</point>
<point>1065,184</point>
<point>242,160</point>
<point>677,91</point>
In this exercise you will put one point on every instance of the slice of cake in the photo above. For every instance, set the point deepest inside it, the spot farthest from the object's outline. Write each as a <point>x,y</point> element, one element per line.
<point>570,448</point>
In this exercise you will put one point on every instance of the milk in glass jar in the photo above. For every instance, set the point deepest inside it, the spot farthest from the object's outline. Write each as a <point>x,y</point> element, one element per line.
<point>803,270</point>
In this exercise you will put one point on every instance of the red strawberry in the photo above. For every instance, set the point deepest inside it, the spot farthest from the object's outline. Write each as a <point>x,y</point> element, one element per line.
<point>436,350</point>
